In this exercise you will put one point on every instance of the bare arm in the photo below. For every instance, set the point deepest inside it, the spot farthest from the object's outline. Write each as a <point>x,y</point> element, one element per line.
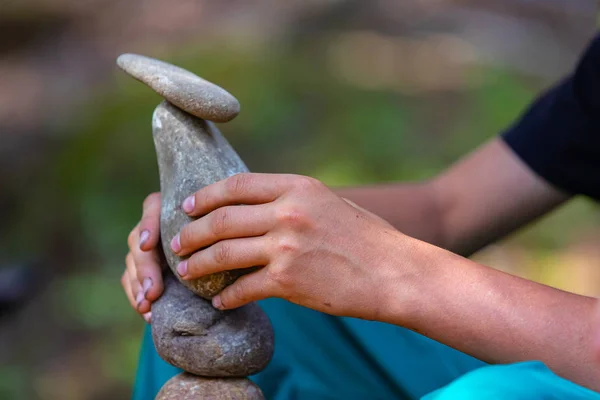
<point>501,318</point>
<point>491,315</point>
<point>321,252</point>
<point>480,199</point>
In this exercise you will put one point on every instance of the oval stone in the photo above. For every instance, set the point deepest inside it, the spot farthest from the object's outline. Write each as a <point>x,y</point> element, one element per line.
<point>189,387</point>
<point>182,88</point>
<point>191,334</point>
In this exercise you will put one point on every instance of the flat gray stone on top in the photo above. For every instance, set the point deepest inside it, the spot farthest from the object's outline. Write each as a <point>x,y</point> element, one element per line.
<point>186,90</point>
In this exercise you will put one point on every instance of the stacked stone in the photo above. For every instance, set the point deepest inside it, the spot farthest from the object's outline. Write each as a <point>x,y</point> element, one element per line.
<point>217,349</point>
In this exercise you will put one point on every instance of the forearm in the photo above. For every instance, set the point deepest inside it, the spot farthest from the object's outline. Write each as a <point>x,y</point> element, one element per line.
<point>409,207</point>
<point>478,200</point>
<point>497,317</point>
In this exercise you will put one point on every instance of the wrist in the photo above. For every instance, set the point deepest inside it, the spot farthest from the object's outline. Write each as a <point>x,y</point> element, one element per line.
<point>419,275</point>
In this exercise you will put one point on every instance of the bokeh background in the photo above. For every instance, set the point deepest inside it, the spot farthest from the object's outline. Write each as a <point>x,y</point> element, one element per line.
<point>351,92</point>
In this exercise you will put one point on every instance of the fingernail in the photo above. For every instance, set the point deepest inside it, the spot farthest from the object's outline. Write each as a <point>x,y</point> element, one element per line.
<point>175,244</point>
<point>144,237</point>
<point>188,204</point>
<point>216,302</point>
<point>147,285</point>
<point>139,298</point>
<point>148,316</point>
<point>182,268</point>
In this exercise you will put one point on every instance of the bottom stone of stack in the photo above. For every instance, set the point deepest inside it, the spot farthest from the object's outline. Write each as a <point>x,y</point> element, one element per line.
<point>186,386</point>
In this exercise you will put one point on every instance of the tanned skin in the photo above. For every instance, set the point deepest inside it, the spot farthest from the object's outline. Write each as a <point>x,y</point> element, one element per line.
<point>392,253</point>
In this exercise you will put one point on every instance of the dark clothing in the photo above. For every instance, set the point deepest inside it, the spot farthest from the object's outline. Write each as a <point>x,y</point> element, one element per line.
<point>559,135</point>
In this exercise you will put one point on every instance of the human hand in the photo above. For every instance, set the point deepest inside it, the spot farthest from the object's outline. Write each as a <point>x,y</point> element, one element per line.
<point>317,249</point>
<point>142,279</point>
<point>596,339</point>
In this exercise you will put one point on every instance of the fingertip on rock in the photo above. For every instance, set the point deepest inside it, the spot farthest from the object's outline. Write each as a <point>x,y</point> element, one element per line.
<point>144,307</point>
<point>189,204</point>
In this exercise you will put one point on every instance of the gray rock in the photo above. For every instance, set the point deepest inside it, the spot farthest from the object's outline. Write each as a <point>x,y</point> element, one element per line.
<point>189,387</point>
<point>191,334</point>
<point>187,331</point>
<point>182,88</point>
<point>192,154</point>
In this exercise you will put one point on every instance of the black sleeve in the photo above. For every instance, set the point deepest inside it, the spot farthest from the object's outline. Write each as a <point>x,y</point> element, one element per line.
<point>559,135</point>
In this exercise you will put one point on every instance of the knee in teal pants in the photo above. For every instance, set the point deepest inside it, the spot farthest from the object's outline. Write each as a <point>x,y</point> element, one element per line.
<point>520,381</point>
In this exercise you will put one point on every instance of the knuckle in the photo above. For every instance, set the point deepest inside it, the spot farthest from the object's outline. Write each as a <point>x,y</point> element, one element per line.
<point>148,220</point>
<point>278,276</point>
<point>186,235</point>
<point>237,184</point>
<point>194,262</point>
<point>151,199</point>
<point>220,221</point>
<point>287,244</point>
<point>222,253</point>
<point>239,291</point>
<point>307,183</point>
<point>129,259</point>
<point>234,294</point>
<point>292,215</point>
<point>136,287</point>
<point>205,197</point>
<point>132,237</point>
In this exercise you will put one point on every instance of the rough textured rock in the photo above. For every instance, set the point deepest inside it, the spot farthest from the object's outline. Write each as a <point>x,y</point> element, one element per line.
<point>189,387</point>
<point>182,88</point>
<point>191,334</point>
<point>192,154</point>
<point>187,331</point>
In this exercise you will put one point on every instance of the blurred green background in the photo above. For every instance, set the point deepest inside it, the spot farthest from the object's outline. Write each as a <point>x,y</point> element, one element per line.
<point>350,92</point>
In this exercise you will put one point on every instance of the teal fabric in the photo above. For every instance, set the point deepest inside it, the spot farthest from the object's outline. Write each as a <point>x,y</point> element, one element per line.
<point>521,381</point>
<point>318,356</point>
<point>152,371</point>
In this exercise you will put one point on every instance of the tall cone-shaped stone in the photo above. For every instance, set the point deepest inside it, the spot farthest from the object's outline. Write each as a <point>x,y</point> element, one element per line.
<point>188,332</point>
<point>192,154</point>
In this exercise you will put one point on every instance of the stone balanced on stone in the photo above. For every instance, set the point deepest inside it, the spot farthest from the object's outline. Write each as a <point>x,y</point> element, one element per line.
<point>217,349</point>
